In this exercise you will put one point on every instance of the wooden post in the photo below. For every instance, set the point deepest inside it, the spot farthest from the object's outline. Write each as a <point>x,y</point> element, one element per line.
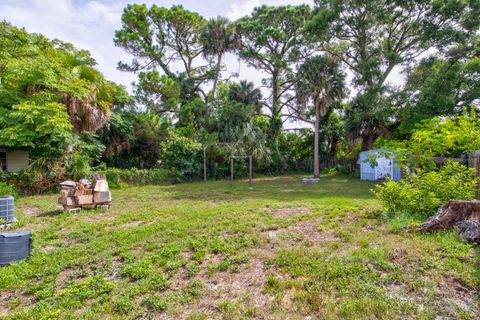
<point>250,171</point>
<point>205,163</point>
<point>231,170</point>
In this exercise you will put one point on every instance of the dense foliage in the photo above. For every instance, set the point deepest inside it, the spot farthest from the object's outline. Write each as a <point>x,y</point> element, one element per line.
<point>330,66</point>
<point>421,193</point>
<point>436,137</point>
<point>8,189</point>
<point>52,99</point>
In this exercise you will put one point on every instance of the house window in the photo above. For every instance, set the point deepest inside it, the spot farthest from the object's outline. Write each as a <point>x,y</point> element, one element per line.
<point>3,160</point>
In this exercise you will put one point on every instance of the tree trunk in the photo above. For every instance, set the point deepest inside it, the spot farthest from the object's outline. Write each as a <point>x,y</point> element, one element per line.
<point>367,141</point>
<point>316,169</point>
<point>215,81</point>
<point>463,214</point>
<point>275,121</point>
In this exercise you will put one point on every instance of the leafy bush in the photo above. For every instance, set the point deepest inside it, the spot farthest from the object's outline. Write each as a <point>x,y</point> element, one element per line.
<point>32,181</point>
<point>77,165</point>
<point>36,181</point>
<point>447,137</point>
<point>7,190</point>
<point>116,177</point>
<point>422,193</point>
<point>182,155</point>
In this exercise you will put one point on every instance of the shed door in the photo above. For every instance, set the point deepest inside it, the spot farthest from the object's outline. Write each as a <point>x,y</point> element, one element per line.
<point>384,168</point>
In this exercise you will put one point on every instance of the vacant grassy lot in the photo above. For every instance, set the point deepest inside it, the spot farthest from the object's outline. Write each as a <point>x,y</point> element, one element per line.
<point>199,251</point>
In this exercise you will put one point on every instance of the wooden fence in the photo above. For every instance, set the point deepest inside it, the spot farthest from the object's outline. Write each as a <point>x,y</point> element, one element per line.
<point>307,164</point>
<point>473,160</point>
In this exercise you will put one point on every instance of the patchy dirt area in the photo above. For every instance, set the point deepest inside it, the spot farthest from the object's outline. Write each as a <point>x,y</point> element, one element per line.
<point>305,231</point>
<point>114,270</point>
<point>289,212</point>
<point>64,277</point>
<point>456,294</point>
<point>12,299</point>
<point>31,211</point>
<point>127,225</point>
<point>398,256</point>
<point>97,218</point>
<point>245,286</point>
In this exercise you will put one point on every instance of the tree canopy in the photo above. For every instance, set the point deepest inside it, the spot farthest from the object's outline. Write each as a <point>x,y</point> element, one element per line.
<point>273,41</point>
<point>374,37</point>
<point>363,73</point>
<point>47,90</point>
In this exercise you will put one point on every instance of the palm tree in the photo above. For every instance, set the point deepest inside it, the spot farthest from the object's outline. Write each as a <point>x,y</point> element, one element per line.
<point>320,82</point>
<point>89,98</point>
<point>218,37</point>
<point>246,93</point>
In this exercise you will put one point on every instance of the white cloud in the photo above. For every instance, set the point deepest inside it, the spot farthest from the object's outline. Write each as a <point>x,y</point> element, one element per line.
<point>239,10</point>
<point>89,25</point>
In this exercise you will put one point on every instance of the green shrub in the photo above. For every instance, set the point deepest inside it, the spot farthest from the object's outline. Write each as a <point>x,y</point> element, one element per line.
<point>422,193</point>
<point>31,181</point>
<point>77,166</point>
<point>7,189</point>
<point>156,303</point>
<point>34,181</point>
<point>117,177</point>
<point>184,156</point>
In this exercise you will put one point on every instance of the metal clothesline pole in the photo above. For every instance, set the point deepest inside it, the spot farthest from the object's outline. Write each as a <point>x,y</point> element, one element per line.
<point>250,171</point>
<point>231,145</point>
<point>205,146</point>
<point>204,164</point>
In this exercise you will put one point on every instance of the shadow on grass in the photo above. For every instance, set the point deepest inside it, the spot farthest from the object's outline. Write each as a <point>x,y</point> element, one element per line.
<point>289,188</point>
<point>51,213</point>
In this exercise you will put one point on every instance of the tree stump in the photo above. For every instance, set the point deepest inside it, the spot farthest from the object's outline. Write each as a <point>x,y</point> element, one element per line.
<point>463,214</point>
<point>469,230</point>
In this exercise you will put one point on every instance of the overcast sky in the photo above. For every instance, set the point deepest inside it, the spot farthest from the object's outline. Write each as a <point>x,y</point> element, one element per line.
<point>91,24</point>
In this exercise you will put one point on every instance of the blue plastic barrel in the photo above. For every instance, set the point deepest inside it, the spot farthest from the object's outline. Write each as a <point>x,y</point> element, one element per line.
<point>6,208</point>
<point>14,246</point>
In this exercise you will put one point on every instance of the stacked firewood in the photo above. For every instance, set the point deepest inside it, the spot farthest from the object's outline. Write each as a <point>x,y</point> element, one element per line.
<point>83,194</point>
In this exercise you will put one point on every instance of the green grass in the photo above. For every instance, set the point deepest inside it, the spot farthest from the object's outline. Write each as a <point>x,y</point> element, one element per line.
<point>283,250</point>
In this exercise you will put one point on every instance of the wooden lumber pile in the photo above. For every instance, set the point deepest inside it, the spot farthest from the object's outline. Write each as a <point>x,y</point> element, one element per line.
<point>83,194</point>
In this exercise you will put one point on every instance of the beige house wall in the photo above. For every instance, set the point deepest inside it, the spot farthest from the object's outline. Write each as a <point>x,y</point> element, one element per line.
<point>17,160</point>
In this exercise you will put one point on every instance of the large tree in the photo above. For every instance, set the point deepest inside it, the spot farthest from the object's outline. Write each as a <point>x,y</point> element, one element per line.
<point>273,42</point>
<point>441,86</point>
<point>164,41</point>
<point>218,37</point>
<point>47,90</point>
<point>320,82</point>
<point>374,37</point>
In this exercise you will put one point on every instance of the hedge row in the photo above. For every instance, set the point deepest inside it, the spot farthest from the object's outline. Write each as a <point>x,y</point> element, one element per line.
<point>30,182</point>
